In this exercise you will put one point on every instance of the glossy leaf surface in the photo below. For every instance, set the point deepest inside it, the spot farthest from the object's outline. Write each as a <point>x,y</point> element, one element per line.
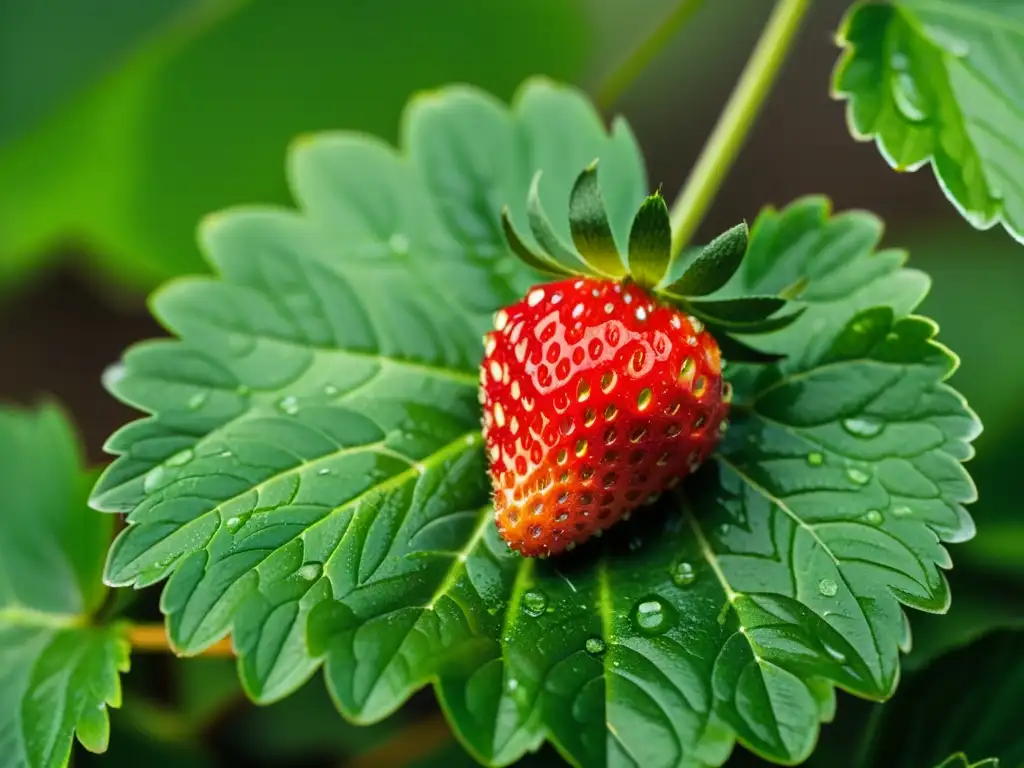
<point>57,675</point>
<point>312,480</point>
<point>939,81</point>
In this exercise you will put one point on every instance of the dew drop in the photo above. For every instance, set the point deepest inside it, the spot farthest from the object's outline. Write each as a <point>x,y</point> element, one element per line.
<point>858,476</point>
<point>196,401</point>
<point>233,523</point>
<point>323,472</point>
<point>512,683</point>
<point>865,426</point>
<point>595,646</point>
<point>330,390</point>
<point>828,587</point>
<point>683,574</point>
<point>289,405</point>
<point>652,616</point>
<point>902,511</point>
<point>873,517</point>
<point>815,459</point>
<point>181,458</point>
<point>310,571</point>
<point>399,244</point>
<point>153,479</point>
<point>534,602</point>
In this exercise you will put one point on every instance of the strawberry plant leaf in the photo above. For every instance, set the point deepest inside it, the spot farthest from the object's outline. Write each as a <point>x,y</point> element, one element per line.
<point>741,310</point>
<point>931,81</point>
<point>715,265</point>
<point>591,230</point>
<point>650,242</point>
<point>58,674</point>
<point>312,479</point>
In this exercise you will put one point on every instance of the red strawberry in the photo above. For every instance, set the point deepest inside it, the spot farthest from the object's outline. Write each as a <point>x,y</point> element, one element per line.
<point>597,397</point>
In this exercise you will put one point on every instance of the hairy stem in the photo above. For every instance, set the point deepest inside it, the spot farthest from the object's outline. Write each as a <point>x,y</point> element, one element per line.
<point>152,638</point>
<point>635,63</point>
<point>734,125</point>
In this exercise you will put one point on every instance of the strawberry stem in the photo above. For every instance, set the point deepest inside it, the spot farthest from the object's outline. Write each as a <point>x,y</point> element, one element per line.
<point>735,123</point>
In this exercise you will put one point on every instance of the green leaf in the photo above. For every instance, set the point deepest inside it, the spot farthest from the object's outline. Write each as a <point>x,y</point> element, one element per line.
<point>718,261</point>
<point>971,701</point>
<point>57,674</point>
<point>591,230</point>
<point>650,242</point>
<point>934,81</point>
<point>311,475</point>
<point>207,96</point>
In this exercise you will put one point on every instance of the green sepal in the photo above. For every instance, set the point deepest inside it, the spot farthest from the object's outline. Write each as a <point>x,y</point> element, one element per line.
<point>650,242</point>
<point>749,309</point>
<point>736,351</point>
<point>716,264</point>
<point>538,260</point>
<point>545,234</point>
<point>768,325</point>
<point>588,222</point>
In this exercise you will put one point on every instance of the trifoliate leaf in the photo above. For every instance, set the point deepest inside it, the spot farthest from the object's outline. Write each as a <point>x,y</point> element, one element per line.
<point>937,81</point>
<point>591,230</point>
<point>650,242</point>
<point>58,675</point>
<point>717,262</point>
<point>312,478</point>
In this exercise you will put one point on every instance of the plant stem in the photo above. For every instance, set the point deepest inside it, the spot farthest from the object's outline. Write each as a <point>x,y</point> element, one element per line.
<point>733,126</point>
<point>617,82</point>
<point>152,638</point>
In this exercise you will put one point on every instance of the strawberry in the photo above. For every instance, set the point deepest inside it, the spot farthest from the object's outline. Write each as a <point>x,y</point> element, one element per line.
<point>597,397</point>
<point>602,390</point>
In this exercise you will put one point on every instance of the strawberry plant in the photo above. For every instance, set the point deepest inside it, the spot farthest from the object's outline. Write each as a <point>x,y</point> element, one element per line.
<point>390,429</point>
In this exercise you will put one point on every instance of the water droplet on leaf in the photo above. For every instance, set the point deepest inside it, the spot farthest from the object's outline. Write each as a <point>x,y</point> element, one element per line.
<point>902,511</point>
<point>815,459</point>
<point>196,401</point>
<point>653,616</point>
<point>873,517</point>
<point>683,574</point>
<point>858,476</point>
<point>828,587</point>
<point>534,602</point>
<point>309,571</point>
<point>289,404</point>
<point>864,426</point>
<point>595,645</point>
<point>181,458</point>
<point>834,653</point>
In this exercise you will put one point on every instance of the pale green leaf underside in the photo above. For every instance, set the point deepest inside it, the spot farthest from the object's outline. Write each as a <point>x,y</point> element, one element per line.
<point>939,81</point>
<point>314,453</point>
<point>57,676</point>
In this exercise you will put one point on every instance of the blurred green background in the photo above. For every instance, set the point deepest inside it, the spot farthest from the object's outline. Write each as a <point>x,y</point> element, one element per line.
<point>122,122</point>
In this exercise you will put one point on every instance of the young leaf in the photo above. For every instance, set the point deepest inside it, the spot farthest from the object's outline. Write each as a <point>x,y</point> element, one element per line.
<point>588,222</point>
<point>650,242</point>
<point>932,81</point>
<point>58,675</point>
<point>716,264</point>
<point>742,310</point>
<point>312,477</point>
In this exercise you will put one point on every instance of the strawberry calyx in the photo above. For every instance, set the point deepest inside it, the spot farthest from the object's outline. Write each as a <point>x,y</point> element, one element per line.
<point>647,262</point>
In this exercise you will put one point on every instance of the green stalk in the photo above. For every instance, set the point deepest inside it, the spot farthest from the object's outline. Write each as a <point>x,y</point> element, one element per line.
<point>613,87</point>
<point>733,126</point>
